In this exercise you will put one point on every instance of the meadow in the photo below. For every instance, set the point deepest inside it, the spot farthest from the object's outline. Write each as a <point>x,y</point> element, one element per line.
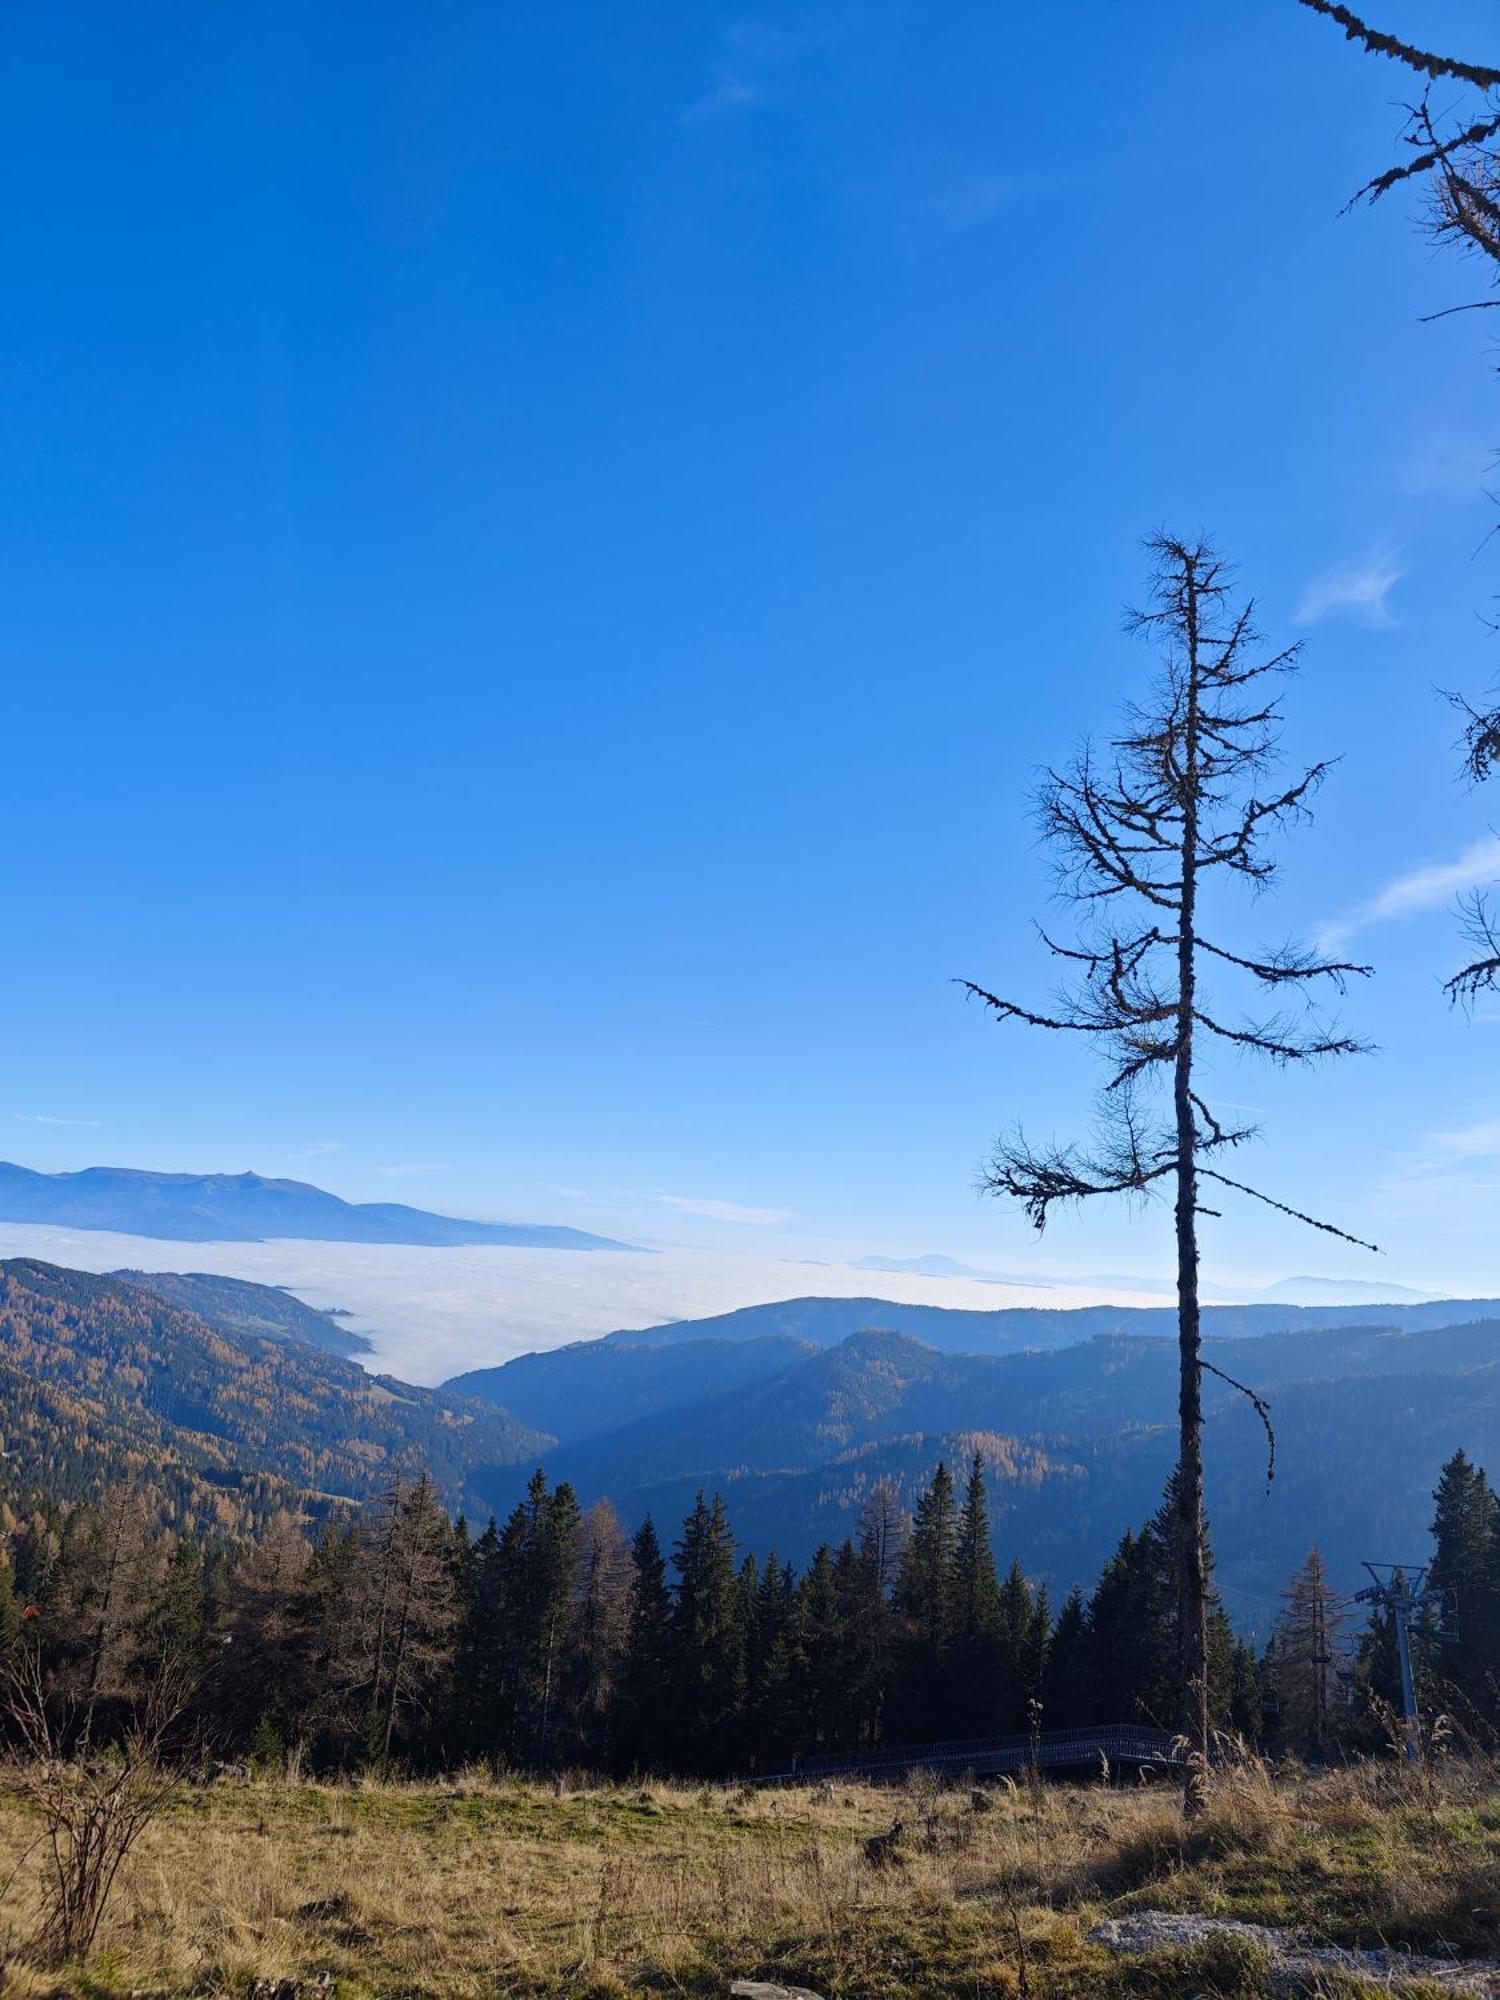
<point>481,1886</point>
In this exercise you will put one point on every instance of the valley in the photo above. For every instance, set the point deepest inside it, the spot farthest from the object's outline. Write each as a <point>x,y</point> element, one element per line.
<point>208,1388</point>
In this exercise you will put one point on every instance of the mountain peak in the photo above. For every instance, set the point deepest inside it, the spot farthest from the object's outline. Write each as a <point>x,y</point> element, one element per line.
<point>249,1207</point>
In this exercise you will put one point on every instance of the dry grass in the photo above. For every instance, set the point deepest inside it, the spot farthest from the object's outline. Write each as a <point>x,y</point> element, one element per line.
<point>482,1888</point>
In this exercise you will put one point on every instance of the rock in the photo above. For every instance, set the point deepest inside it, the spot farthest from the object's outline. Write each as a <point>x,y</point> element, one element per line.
<point>1164,1930</point>
<point>1292,1962</point>
<point>762,1989</point>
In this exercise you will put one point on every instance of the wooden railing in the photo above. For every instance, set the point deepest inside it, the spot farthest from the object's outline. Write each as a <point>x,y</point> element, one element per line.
<point>1117,1745</point>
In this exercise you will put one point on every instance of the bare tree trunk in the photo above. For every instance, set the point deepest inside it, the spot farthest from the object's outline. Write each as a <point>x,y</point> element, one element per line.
<point>398,1662</point>
<point>1137,827</point>
<point>1192,1590</point>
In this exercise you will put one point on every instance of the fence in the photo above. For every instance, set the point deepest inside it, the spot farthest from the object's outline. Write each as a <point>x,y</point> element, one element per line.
<point>1118,1745</point>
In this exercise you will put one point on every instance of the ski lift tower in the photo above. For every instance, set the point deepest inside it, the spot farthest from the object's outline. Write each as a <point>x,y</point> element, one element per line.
<point>1401,1591</point>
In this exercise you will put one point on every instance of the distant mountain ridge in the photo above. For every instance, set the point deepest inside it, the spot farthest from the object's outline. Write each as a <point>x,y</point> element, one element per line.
<point>1014,1329</point>
<point>795,1410</point>
<point>250,1208</point>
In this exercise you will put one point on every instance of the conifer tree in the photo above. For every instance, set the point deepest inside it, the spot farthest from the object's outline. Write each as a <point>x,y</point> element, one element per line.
<point>873,1621</point>
<point>10,1609</point>
<point>858,1710</point>
<point>1303,1659</point>
<point>645,1687</point>
<point>268,1659</point>
<point>600,1629</point>
<point>1066,1687</point>
<point>538,1561</point>
<point>478,1684</point>
<point>1025,1632</point>
<point>98,1610</point>
<point>775,1668</point>
<point>1131,1633</point>
<point>923,1599</point>
<point>708,1648</point>
<point>977,1631</point>
<point>341,1640</point>
<point>416,1594</point>
<point>1464,1582</point>
<point>1142,833</point>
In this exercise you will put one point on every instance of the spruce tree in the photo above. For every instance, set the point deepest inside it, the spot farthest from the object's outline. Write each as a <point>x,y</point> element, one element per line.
<point>822,1646</point>
<point>873,1620</point>
<point>552,1565</point>
<point>976,1631</point>
<point>645,1681</point>
<point>776,1670</point>
<point>1067,1691</point>
<point>708,1643</point>
<point>1463,1584</point>
<point>1131,1633</point>
<point>923,1600</point>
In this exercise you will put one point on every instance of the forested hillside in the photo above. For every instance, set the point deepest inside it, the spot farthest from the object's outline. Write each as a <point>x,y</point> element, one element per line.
<point>553,1638</point>
<point>236,1306</point>
<point>1077,1439</point>
<point>103,1381</point>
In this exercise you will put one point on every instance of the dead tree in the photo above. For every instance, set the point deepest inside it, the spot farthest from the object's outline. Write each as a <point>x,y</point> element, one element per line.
<point>1453,157</point>
<point>1140,832</point>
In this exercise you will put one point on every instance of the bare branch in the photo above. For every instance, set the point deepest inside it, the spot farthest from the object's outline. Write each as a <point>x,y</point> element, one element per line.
<point>1481,738</point>
<point>1287,964</point>
<point>1439,154</point>
<point>1377,43</point>
<point>1279,1042</point>
<point>1483,973</point>
<point>1296,1214</point>
<point>1009,1011</point>
<point>1262,1410</point>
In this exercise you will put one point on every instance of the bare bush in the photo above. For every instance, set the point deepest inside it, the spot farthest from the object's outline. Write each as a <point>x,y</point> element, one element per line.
<point>94,1804</point>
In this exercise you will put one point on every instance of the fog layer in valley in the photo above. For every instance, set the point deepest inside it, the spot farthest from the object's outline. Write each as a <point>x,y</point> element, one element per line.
<point>431,1313</point>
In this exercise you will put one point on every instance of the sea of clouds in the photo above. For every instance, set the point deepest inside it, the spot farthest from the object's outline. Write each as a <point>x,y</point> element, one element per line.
<point>431,1313</point>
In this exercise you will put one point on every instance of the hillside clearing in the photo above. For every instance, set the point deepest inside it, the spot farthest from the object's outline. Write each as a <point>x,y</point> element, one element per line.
<point>480,1887</point>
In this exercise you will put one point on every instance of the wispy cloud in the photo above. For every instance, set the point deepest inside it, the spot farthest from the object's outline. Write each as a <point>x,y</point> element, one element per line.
<point>1361,591</point>
<point>752,48</point>
<point>730,93</point>
<point>403,1168</point>
<point>722,1211</point>
<point>318,1148</point>
<point>1460,1144</point>
<point>43,1118</point>
<point>1426,888</point>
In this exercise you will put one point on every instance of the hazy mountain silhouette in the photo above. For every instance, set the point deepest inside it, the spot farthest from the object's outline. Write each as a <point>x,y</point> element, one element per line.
<point>249,1208</point>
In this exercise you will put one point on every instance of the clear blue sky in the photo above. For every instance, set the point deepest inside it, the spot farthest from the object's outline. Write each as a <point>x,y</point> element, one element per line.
<point>543,543</point>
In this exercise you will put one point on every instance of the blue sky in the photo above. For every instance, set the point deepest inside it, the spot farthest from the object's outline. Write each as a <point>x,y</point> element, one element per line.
<point>543,545</point>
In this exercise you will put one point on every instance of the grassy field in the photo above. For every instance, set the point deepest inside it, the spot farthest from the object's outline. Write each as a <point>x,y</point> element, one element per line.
<point>478,1887</point>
